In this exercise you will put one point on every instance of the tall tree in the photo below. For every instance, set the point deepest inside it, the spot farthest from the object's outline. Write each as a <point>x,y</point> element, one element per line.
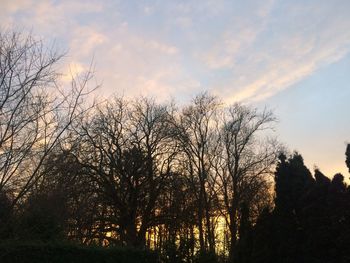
<point>128,152</point>
<point>246,158</point>
<point>35,112</point>
<point>195,132</point>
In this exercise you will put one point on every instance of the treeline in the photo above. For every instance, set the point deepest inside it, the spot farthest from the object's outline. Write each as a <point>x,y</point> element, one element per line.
<point>193,183</point>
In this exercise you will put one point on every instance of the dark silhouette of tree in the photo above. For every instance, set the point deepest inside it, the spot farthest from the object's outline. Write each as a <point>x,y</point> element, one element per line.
<point>195,132</point>
<point>310,220</point>
<point>246,158</point>
<point>5,215</point>
<point>35,112</point>
<point>347,154</point>
<point>64,196</point>
<point>127,152</point>
<point>42,218</point>
<point>292,182</point>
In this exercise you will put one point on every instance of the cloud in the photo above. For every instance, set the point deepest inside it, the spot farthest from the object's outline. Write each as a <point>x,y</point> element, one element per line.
<point>12,6</point>
<point>286,49</point>
<point>242,51</point>
<point>50,19</point>
<point>9,8</point>
<point>183,22</point>
<point>225,52</point>
<point>126,61</point>
<point>148,10</point>
<point>85,40</point>
<point>240,34</point>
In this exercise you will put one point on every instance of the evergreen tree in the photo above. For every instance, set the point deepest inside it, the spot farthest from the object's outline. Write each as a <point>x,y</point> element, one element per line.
<point>309,223</point>
<point>292,180</point>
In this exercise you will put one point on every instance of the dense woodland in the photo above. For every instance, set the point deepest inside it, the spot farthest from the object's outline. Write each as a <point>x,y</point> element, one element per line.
<point>204,182</point>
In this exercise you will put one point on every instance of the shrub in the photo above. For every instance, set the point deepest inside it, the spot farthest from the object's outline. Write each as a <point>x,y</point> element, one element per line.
<point>69,253</point>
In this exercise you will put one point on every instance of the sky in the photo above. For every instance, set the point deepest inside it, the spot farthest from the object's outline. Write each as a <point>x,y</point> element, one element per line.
<point>290,56</point>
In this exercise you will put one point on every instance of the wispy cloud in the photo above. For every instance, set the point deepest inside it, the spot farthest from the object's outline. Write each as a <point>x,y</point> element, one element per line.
<point>243,51</point>
<point>281,50</point>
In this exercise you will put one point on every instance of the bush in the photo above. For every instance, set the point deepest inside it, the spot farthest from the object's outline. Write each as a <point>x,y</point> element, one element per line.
<point>207,257</point>
<point>68,253</point>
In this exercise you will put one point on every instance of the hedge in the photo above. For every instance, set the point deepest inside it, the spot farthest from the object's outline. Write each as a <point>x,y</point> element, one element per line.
<point>69,253</point>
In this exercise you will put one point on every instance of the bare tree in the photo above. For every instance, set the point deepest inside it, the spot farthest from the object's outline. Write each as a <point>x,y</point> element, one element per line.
<point>35,112</point>
<point>246,158</point>
<point>128,150</point>
<point>196,131</point>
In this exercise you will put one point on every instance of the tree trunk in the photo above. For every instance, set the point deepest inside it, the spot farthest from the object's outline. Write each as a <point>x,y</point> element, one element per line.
<point>200,221</point>
<point>233,231</point>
